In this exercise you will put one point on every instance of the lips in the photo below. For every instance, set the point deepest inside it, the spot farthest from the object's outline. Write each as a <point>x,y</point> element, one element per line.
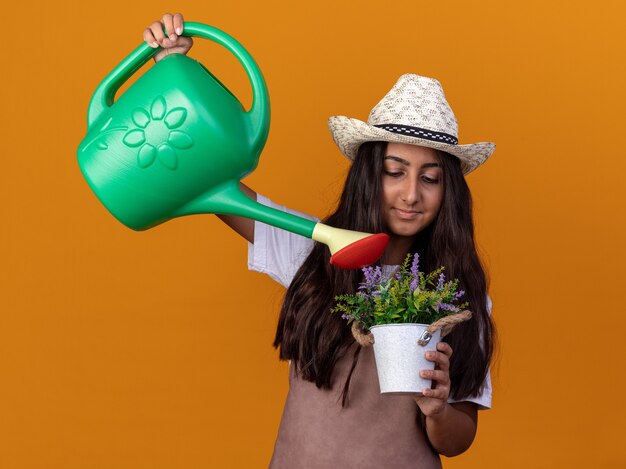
<point>406,214</point>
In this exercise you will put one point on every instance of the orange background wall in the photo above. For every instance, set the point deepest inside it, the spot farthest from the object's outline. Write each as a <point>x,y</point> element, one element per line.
<point>153,349</point>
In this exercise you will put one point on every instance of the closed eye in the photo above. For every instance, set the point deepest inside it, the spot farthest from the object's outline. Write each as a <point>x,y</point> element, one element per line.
<point>394,174</point>
<point>428,180</point>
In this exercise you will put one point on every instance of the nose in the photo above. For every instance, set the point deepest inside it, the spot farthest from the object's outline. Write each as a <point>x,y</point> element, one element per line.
<point>410,191</point>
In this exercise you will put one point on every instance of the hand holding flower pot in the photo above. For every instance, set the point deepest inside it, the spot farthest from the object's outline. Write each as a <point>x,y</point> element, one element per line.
<point>403,317</point>
<point>433,400</point>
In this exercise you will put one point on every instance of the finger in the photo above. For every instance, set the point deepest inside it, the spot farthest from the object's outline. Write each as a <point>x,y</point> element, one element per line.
<point>445,348</point>
<point>178,23</point>
<point>441,359</point>
<point>440,376</point>
<point>157,31</point>
<point>168,23</point>
<point>149,38</point>
<point>438,393</point>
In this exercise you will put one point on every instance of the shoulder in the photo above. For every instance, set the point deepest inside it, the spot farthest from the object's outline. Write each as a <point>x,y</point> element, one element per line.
<point>276,252</point>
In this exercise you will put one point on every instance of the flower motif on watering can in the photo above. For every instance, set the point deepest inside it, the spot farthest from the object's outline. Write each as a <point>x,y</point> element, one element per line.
<point>157,134</point>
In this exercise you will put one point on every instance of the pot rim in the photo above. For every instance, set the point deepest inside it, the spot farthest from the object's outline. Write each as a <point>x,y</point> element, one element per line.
<point>404,324</point>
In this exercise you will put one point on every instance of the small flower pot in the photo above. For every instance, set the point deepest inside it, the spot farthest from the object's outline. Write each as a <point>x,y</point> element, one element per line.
<point>399,357</point>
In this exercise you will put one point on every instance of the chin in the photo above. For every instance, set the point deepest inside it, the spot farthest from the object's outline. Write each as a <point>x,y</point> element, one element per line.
<point>405,231</point>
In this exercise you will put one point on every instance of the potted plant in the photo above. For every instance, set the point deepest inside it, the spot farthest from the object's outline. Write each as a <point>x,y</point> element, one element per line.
<point>402,316</point>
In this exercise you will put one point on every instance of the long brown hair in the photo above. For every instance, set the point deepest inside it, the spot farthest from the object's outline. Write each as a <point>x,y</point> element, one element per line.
<point>314,339</point>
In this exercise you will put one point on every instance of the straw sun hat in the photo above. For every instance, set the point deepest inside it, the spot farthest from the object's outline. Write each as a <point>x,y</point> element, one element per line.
<point>416,112</point>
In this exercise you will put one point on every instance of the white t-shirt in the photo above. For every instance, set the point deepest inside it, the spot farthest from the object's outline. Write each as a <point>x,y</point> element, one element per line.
<point>279,254</point>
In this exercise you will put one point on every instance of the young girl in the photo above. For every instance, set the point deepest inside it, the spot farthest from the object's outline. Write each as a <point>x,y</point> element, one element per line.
<point>406,179</point>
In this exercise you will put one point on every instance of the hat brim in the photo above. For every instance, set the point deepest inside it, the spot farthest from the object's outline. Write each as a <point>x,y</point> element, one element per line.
<point>349,134</point>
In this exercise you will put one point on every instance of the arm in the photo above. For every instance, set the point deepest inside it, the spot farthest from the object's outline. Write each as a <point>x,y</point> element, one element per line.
<point>452,431</point>
<point>243,226</point>
<point>174,43</point>
<point>450,428</point>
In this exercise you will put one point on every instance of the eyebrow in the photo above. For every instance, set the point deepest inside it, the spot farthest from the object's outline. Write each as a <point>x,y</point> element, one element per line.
<point>405,162</point>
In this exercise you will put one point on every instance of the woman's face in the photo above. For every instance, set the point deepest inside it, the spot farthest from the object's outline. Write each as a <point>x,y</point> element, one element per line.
<point>412,187</point>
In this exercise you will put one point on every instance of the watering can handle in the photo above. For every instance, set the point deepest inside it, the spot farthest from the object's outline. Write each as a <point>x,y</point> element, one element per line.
<point>259,113</point>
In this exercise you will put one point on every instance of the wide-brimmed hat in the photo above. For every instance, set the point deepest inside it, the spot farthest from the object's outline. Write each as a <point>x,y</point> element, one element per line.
<point>416,112</point>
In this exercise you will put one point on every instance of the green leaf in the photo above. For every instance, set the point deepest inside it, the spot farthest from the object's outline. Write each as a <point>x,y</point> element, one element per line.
<point>146,155</point>
<point>157,110</point>
<point>141,118</point>
<point>179,139</point>
<point>134,138</point>
<point>175,118</point>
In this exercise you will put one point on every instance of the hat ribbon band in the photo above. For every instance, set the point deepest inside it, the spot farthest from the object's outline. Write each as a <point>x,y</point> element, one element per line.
<point>418,132</point>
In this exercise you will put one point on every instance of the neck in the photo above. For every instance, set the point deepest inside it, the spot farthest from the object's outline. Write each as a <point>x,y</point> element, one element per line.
<point>397,249</point>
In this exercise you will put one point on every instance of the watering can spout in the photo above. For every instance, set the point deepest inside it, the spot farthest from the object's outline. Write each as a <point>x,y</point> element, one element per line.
<point>349,249</point>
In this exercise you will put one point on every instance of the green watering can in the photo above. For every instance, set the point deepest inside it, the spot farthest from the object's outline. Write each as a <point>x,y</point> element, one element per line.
<point>177,142</point>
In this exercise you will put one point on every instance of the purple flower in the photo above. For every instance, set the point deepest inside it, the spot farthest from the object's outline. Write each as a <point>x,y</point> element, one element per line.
<point>345,316</point>
<point>415,271</point>
<point>415,264</point>
<point>442,279</point>
<point>459,294</point>
<point>373,277</point>
<point>447,307</point>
